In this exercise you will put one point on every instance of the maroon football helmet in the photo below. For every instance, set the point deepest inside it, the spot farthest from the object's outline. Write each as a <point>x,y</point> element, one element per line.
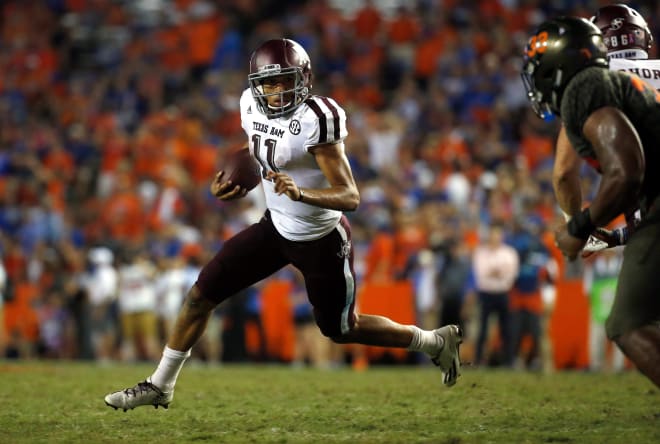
<point>280,57</point>
<point>623,28</point>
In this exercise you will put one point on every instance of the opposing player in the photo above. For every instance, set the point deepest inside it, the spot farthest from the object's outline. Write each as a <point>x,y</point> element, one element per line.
<point>611,120</point>
<point>628,39</point>
<point>298,139</point>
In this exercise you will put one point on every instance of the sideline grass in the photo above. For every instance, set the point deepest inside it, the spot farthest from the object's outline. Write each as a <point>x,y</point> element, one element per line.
<point>63,402</point>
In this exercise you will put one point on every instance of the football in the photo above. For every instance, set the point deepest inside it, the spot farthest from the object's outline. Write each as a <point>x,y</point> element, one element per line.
<point>241,169</point>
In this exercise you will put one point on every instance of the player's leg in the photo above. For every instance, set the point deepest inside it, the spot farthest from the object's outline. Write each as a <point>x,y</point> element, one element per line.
<point>486,308</point>
<point>517,328</point>
<point>642,346</point>
<point>245,259</point>
<point>327,265</point>
<point>504,324</point>
<point>634,321</point>
<point>534,359</point>
<point>597,342</point>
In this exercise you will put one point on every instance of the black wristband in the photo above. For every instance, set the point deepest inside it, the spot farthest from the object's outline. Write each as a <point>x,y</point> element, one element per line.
<point>580,225</point>
<point>300,195</point>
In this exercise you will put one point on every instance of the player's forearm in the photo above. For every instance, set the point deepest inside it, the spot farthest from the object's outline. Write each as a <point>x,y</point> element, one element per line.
<point>566,176</point>
<point>568,194</point>
<point>341,198</point>
<point>614,197</point>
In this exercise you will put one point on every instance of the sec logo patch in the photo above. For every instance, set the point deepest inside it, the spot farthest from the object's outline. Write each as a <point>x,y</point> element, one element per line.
<point>295,127</point>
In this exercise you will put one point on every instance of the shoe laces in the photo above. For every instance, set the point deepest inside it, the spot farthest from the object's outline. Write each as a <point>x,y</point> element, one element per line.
<point>142,387</point>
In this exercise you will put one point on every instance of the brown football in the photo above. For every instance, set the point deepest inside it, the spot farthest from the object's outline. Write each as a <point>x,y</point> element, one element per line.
<point>241,169</point>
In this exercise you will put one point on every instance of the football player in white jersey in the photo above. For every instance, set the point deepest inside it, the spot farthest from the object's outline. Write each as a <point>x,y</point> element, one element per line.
<point>628,39</point>
<point>298,139</point>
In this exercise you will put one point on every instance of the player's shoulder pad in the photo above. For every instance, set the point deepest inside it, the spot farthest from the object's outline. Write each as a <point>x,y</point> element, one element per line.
<point>327,120</point>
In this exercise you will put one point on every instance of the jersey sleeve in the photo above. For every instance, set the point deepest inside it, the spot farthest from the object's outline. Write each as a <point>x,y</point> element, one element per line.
<point>588,91</point>
<point>325,122</point>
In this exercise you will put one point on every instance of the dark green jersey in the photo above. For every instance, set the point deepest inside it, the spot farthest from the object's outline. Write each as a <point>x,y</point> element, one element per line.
<point>594,88</point>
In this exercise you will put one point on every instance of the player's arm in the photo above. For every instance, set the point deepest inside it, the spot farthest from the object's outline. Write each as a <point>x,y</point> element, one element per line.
<point>620,154</point>
<point>566,183</point>
<point>566,176</point>
<point>342,194</point>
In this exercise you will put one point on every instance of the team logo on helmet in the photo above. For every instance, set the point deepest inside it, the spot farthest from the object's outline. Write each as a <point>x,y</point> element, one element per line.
<point>295,127</point>
<point>616,23</point>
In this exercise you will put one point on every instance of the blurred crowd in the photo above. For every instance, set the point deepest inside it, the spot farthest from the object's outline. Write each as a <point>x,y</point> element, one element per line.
<point>115,115</point>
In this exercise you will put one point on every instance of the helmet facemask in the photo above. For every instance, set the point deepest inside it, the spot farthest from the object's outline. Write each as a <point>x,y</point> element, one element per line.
<point>543,99</point>
<point>289,99</point>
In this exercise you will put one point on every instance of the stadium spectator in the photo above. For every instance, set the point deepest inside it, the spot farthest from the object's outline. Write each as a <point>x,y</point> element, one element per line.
<point>100,285</point>
<point>453,283</point>
<point>137,305</point>
<point>496,267</point>
<point>526,303</point>
<point>171,287</point>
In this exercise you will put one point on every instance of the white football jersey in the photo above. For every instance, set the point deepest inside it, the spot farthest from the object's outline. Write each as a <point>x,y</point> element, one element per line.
<point>137,290</point>
<point>647,69</point>
<point>282,145</point>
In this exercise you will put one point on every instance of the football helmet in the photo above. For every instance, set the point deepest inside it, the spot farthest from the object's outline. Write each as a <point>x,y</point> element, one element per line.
<point>623,28</point>
<point>559,49</point>
<point>275,58</point>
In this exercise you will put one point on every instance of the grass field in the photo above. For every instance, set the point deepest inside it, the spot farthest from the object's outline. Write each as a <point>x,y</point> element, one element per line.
<point>63,402</point>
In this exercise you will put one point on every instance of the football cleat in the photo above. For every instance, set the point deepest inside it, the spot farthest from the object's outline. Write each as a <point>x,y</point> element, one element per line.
<point>448,358</point>
<point>144,393</point>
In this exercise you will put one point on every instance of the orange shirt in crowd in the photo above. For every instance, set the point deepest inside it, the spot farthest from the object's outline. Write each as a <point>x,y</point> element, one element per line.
<point>76,5</point>
<point>149,153</point>
<point>114,150</point>
<point>366,63</point>
<point>60,161</point>
<point>490,9</point>
<point>20,315</point>
<point>536,148</point>
<point>403,29</point>
<point>229,124</point>
<point>450,148</point>
<point>427,54</point>
<point>123,215</point>
<point>408,240</point>
<point>379,259</point>
<point>173,48</point>
<point>367,22</point>
<point>202,163</point>
<point>202,38</point>
<point>518,19</point>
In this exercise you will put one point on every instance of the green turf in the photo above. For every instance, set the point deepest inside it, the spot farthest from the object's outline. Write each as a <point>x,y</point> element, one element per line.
<point>63,402</point>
